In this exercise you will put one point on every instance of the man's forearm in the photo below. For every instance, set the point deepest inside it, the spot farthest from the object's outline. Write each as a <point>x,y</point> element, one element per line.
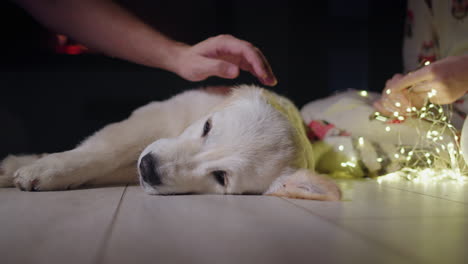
<point>105,26</point>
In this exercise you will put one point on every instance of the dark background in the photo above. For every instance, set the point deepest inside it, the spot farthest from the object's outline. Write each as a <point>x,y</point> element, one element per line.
<point>50,102</point>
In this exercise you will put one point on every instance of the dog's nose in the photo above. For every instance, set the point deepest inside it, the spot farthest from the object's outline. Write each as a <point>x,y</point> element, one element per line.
<point>148,170</point>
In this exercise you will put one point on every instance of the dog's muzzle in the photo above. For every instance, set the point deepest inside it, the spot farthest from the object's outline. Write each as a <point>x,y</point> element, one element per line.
<point>148,171</point>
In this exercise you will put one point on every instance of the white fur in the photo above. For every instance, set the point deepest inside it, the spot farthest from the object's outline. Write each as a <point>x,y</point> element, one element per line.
<point>249,140</point>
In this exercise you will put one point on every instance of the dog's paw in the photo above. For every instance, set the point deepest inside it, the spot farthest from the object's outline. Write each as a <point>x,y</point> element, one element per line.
<point>46,174</point>
<point>10,164</point>
<point>6,179</point>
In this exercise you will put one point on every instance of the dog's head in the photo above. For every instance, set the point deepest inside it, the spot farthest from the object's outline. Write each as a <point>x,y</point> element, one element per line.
<point>243,146</point>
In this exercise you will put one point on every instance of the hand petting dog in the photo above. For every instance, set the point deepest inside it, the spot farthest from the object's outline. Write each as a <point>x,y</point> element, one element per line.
<point>223,56</point>
<point>107,27</point>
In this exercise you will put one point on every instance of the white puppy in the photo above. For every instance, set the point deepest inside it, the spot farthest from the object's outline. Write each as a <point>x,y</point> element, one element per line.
<point>195,142</point>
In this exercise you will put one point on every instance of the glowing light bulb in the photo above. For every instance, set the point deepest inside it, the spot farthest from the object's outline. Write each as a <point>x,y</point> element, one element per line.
<point>361,141</point>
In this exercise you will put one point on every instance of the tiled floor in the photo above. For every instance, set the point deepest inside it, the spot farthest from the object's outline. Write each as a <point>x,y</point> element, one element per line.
<point>387,222</point>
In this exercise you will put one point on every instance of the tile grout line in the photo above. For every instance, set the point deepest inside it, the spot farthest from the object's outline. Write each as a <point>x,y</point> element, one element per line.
<point>419,193</point>
<point>107,234</point>
<point>412,259</point>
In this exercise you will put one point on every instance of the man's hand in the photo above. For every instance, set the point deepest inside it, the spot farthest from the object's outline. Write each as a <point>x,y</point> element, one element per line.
<point>223,56</point>
<point>442,82</point>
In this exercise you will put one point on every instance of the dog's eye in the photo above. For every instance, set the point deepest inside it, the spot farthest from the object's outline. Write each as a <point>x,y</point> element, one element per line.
<point>220,177</point>
<point>206,128</point>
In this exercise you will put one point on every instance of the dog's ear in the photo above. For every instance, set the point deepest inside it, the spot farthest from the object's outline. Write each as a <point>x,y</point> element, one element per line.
<point>305,184</point>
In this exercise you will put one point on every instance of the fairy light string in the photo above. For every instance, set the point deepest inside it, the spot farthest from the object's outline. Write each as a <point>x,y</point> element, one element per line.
<point>436,154</point>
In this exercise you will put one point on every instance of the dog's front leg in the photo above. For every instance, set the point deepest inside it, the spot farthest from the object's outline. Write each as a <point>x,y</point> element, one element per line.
<point>111,153</point>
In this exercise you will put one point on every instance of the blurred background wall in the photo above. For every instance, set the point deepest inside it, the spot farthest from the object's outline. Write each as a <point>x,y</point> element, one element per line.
<point>51,101</point>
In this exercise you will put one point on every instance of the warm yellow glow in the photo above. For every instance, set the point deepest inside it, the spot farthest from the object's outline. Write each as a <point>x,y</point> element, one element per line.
<point>431,158</point>
<point>427,175</point>
<point>381,118</point>
<point>432,93</point>
<point>348,164</point>
<point>361,141</point>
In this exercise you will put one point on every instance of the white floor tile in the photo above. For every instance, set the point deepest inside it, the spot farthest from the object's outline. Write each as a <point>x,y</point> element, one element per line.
<point>55,227</point>
<point>368,199</point>
<point>231,229</point>
<point>445,189</point>
<point>431,240</point>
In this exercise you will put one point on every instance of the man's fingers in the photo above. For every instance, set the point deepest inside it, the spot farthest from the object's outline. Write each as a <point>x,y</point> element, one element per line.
<point>411,79</point>
<point>379,107</point>
<point>428,90</point>
<point>270,79</point>
<point>422,87</point>
<point>248,57</point>
<point>213,67</point>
